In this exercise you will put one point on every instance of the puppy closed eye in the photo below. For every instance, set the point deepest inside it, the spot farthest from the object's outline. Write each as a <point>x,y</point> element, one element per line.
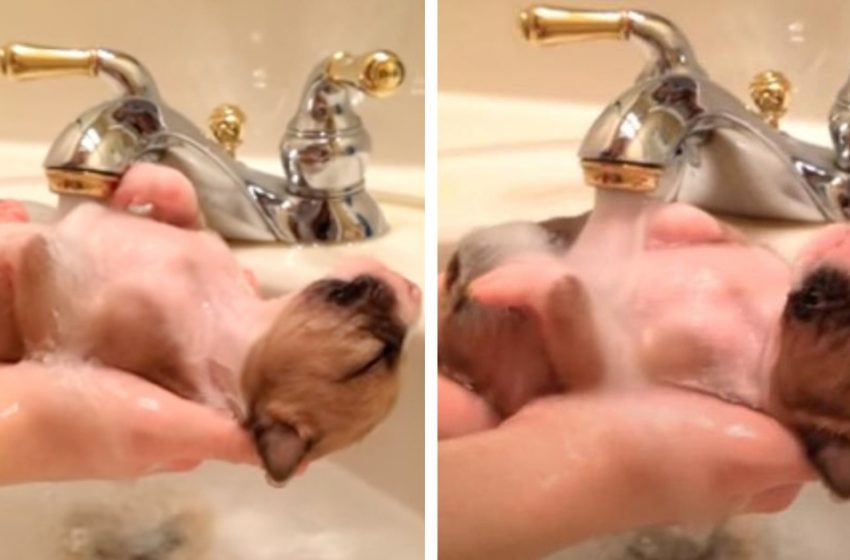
<point>386,355</point>
<point>824,291</point>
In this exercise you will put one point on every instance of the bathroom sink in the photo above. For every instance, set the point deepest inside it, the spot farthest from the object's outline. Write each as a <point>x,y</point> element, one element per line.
<point>364,502</point>
<point>507,159</point>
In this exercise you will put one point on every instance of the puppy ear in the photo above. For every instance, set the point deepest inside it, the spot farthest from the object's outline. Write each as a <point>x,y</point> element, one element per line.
<point>280,448</point>
<point>830,454</point>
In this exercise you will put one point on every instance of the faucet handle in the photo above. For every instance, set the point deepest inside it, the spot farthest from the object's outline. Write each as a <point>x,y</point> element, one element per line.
<point>377,73</point>
<point>226,123</point>
<point>771,93</point>
<point>545,25</point>
<point>667,46</point>
<point>21,61</point>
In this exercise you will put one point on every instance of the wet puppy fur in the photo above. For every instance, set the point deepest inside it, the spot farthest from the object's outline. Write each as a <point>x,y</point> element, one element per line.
<point>809,386</point>
<point>319,379</point>
<point>483,347</point>
<point>324,375</point>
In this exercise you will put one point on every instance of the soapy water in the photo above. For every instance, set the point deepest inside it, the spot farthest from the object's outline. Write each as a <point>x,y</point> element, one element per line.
<point>814,527</point>
<point>219,512</point>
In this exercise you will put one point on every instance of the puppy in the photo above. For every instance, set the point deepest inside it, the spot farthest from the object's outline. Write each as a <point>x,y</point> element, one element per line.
<point>656,293</point>
<point>810,387</point>
<point>307,373</point>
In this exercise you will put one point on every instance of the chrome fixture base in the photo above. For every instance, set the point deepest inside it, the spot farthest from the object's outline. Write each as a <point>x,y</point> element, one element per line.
<point>321,198</point>
<point>677,135</point>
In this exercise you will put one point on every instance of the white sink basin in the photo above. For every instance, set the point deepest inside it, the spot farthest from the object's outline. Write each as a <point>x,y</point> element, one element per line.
<point>507,159</point>
<point>364,502</point>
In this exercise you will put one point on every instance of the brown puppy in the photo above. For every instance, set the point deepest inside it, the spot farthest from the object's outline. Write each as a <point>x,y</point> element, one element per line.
<point>307,373</point>
<point>329,358</point>
<point>810,385</point>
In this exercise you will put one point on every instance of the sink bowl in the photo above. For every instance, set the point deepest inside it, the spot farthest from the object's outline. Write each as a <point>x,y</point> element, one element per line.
<point>364,502</point>
<point>507,159</point>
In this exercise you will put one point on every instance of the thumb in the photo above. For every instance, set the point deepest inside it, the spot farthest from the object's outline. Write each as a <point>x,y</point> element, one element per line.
<point>461,412</point>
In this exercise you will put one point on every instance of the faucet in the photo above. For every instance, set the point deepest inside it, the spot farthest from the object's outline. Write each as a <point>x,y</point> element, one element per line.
<point>321,196</point>
<point>677,135</point>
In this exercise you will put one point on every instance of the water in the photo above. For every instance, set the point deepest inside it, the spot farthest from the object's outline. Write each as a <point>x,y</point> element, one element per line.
<point>816,527</point>
<point>220,512</point>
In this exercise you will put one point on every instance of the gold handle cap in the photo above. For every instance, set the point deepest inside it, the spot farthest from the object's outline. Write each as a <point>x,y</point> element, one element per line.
<point>378,73</point>
<point>226,123</point>
<point>771,93</point>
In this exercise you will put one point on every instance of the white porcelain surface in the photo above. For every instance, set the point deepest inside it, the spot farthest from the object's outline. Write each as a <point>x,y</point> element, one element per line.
<point>366,499</point>
<point>328,514</point>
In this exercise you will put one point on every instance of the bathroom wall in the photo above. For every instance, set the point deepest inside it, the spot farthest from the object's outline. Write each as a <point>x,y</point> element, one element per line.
<point>480,50</point>
<point>255,53</point>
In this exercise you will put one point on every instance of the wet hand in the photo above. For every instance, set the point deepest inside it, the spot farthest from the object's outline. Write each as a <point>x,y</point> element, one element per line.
<point>571,467</point>
<point>73,421</point>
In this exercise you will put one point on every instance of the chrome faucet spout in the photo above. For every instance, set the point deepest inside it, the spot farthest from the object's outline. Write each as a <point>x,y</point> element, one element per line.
<point>839,126</point>
<point>677,135</point>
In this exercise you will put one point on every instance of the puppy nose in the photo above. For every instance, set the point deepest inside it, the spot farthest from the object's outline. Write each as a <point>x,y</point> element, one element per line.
<point>413,291</point>
<point>360,265</point>
<point>410,301</point>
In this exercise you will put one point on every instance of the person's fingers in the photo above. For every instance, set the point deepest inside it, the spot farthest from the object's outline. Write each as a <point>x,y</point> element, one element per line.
<point>774,500</point>
<point>657,456</point>
<point>201,433</point>
<point>706,457</point>
<point>13,211</point>
<point>158,192</point>
<point>460,411</point>
<point>91,421</point>
<point>163,428</point>
<point>252,279</point>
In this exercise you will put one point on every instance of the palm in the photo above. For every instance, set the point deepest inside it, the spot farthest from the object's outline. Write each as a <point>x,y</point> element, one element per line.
<point>90,421</point>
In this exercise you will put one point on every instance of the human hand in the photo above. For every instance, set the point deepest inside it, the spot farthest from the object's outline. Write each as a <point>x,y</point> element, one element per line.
<point>73,421</point>
<point>64,420</point>
<point>571,467</point>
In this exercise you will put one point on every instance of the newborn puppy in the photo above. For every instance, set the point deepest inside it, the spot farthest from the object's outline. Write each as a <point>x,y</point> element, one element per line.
<point>811,381</point>
<point>307,373</point>
<point>647,292</point>
<point>329,357</point>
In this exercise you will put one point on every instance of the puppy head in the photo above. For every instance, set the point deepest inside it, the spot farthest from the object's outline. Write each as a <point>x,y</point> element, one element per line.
<point>810,387</point>
<point>512,335</point>
<point>324,374</point>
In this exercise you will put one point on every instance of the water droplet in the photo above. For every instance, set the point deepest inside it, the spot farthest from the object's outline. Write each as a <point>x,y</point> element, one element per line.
<point>10,410</point>
<point>259,77</point>
<point>797,31</point>
<point>148,404</point>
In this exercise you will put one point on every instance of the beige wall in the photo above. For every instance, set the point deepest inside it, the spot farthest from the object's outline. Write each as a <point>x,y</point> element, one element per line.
<point>202,52</point>
<point>481,52</point>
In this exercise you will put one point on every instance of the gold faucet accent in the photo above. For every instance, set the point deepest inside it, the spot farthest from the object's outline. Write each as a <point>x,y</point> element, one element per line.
<point>542,25</point>
<point>226,123</point>
<point>20,61</point>
<point>771,93</point>
<point>378,73</point>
